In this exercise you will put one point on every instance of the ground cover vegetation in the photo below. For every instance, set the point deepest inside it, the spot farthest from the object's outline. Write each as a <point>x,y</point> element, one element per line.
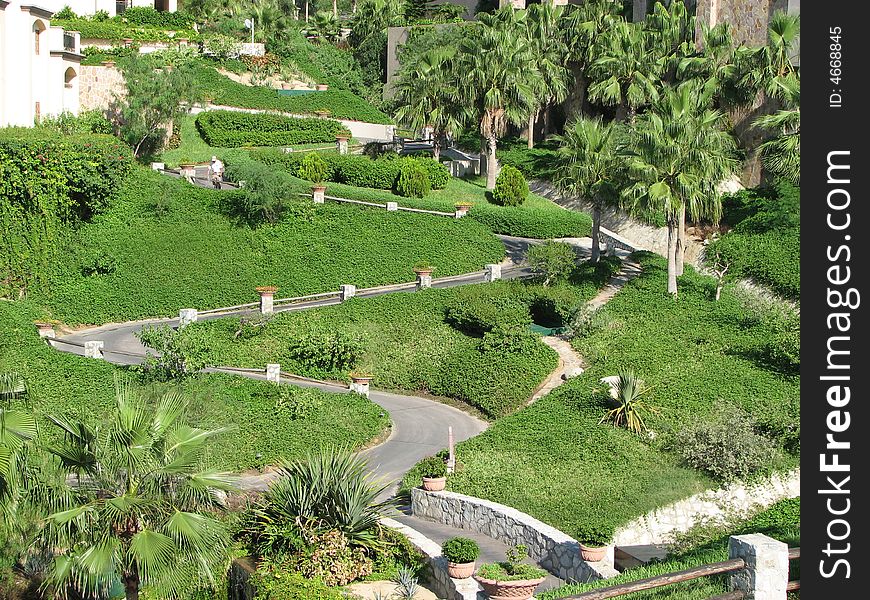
<point>549,459</point>
<point>703,545</point>
<point>141,24</point>
<point>178,237</point>
<point>232,129</point>
<point>764,240</point>
<point>471,344</point>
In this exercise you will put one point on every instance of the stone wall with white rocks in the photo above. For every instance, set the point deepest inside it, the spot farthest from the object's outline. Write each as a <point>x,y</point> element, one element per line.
<point>737,500</point>
<point>552,549</point>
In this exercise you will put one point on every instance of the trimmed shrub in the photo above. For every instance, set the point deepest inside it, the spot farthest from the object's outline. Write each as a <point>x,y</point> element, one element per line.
<point>438,174</point>
<point>413,181</point>
<point>275,584</point>
<point>231,129</point>
<point>433,466</point>
<point>511,188</point>
<point>460,550</point>
<point>726,447</point>
<point>595,534</point>
<point>313,168</point>
<point>479,309</point>
<point>552,261</point>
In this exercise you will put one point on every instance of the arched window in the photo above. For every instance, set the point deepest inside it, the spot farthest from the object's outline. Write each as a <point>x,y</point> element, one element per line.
<point>38,28</point>
<point>68,77</point>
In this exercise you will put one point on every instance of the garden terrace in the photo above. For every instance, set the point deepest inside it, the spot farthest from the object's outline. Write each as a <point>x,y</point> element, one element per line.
<point>73,386</point>
<point>554,459</point>
<point>180,240</point>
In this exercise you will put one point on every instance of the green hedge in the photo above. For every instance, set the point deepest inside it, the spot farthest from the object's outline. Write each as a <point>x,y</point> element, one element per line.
<point>342,104</point>
<point>74,386</point>
<point>191,253</point>
<point>47,182</point>
<point>358,171</point>
<point>145,15</point>
<point>231,129</point>
<point>116,31</point>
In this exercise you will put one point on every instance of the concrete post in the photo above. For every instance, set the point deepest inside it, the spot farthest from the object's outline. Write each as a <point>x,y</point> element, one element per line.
<point>424,281</point>
<point>94,349</point>
<point>187,316</point>
<point>273,373</point>
<point>493,272</point>
<point>158,166</point>
<point>46,330</point>
<point>765,576</point>
<point>638,12</point>
<point>360,385</point>
<point>347,292</point>
<point>341,145</point>
<point>267,299</point>
<point>391,206</point>
<point>451,451</point>
<point>319,194</point>
<point>460,212</point>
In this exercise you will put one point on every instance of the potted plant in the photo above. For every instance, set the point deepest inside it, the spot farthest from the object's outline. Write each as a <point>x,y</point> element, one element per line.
<point>423,268</point>
<point>594,541</point>
<point>322,112</point>
<point>361,376</point>
<point>321,87</point>
<point>464,205</point>
<point>434,472</point>
<point>187,167</point>
<point>460,553</point>
<point>512,579</point>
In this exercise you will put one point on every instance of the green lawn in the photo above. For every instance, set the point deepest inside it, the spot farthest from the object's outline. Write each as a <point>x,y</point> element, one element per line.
<point>166,245</point>
<point>781,521</point>
<point>78,387</point>
<point>555,461</point>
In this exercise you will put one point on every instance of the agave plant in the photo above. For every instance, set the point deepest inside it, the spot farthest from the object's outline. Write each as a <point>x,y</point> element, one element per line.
<point>627,388</point>
<point>329,489</point>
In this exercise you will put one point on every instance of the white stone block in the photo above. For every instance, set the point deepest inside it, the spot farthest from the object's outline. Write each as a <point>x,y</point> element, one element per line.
<point>765,576</point>
<point>391,206</point>
<point>347,292</point>
<point>493,272</point>
<point>273,372</point>
<point>158,166</point>
<point>360,387</point>
<point>423,281</point>
<point>187,316</point>
<point>319,195</point>
<point>94,349</point>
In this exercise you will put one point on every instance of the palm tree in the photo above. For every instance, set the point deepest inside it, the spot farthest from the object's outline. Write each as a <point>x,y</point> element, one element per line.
<point>134,501</point>
<point>591,167</point>
<point>373,16</point>
<point>626,72</point>
<point>679,153</point>
<point>17,428</point>
<point>782,154</point>
<point>497,77</point>
<point>549,53</point>
<point>428,96</point>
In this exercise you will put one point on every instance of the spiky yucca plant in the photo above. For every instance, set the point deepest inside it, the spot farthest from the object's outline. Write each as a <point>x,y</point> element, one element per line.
<point>627,388</point>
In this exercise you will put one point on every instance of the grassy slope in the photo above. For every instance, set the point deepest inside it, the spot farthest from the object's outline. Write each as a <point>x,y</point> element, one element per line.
<point>83,388</point>
<point>554,461</point>
<point>781,521</point>
<point>192,255</point>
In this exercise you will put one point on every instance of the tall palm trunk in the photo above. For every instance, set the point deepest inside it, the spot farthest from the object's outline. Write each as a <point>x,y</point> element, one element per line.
<point>491,162</point>
<point>680,253</point>
<point>596,230</point>
<point>532,117</point>
<point>436,148</point>
<point>131,586</point>
<point>335,8</point>
<point>622,112</point>
<point>672,247</point>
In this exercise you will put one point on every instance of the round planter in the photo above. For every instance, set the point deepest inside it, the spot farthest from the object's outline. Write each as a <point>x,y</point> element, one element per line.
<point>322,113</point>
<point>108,63</point>
<point>321,87</point>
<point>461,206</point>
<point>318,188</point>
<point>361,379</point>
<point>592,553</point>
<point>460,570</point>
<point>434,484</point>
<point>509,590</point>
<point>423,272</point>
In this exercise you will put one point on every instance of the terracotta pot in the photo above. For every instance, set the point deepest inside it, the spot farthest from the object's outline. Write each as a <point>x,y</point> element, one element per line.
<point>434,484</point>
<point>266,289</point>
<point>592,553</point>
<point>321,87</point>
<point>462,206</point>
<point>460,570</point>
<point>361,378</point>
<point>423,272</point>
<point>509,590</point>
<point>318,188</point>
<point>108,63</point>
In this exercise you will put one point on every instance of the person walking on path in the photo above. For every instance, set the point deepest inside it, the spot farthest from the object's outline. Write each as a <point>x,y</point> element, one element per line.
<point>216,170</point>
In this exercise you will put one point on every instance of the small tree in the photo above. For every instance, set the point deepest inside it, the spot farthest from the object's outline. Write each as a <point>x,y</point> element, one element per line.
<point>511,188</point>
<point>313,168</point>
<point>413,181</point>
<point>155,96</point>
<point>551,260</point>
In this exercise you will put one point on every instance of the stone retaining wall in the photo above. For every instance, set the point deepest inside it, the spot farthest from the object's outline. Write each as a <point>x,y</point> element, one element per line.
<point>738,500</point>
<point>552,549</point>
<point>98,87</point>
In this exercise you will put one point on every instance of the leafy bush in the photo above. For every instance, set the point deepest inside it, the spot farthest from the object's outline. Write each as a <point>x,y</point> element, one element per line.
<point>460,550</point>
<point>231,129</point>
<point>266,197</point>
<point>551,261</point>
<point>511,188</point>
<point>595,534</point>
<point>413,181</point>
<point>272,582</point>
<point>478,309</point>
<point>88,121</point>
<point>146,15</point>
<point>726,447</point>
<point>176,354</point>
<point>327,353</point>
<point>313,168</point>
<point>342,104</point>
<point>116,30</point>
<point>512,569</point>
<point>433,467</point>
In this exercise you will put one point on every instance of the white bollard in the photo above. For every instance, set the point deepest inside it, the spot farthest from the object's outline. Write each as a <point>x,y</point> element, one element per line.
<point>493,272</point>
<point>347,292</point>
<point>424,281</point>
<point>273,373</point>
<point>186,316</point>
<point>267,299</point>
<point>391,206</point>
<point>158,166</point>
<point>360,385</point>
<point>765,576</point>
<point>318,193</point>
<point>94,349</point>
<point>341,145</point>
<point>46,330</point>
